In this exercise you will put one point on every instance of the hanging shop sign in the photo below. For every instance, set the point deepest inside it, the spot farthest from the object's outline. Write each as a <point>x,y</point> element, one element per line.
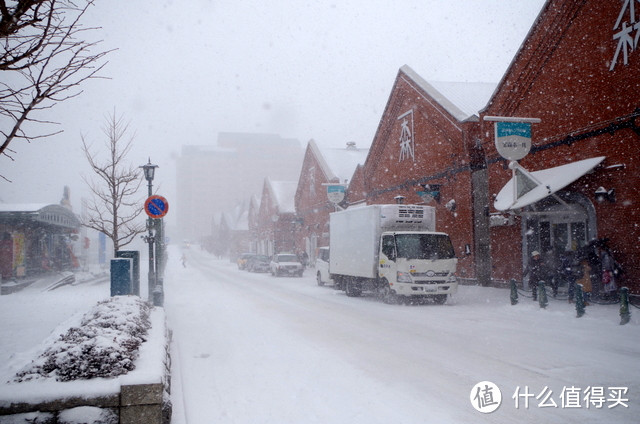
<point>512,136</point>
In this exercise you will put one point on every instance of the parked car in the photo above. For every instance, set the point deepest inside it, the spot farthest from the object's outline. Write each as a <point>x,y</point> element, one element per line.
<point>258,263</point>
<point>322,267</point>
<point>286,264</point>
<point>242,259</point>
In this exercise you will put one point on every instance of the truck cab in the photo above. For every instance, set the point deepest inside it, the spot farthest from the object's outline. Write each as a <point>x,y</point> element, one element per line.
<point>417,264</point>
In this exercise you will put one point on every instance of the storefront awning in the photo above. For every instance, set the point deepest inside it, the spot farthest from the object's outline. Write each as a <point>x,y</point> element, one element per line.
<point>526,188</point>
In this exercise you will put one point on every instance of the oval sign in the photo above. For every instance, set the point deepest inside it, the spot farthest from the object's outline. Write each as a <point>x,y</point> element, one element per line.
<point>335,193</point>
<point>513,139</point>
<point>156,206</point>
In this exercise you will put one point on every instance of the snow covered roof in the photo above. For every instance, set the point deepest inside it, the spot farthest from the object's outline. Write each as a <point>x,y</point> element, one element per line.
<point>41,212</point>
<point>342,162</point>
<point>284,195</point>
<point>242,223</point>
<point>463,100</point>
<point>22,207</point>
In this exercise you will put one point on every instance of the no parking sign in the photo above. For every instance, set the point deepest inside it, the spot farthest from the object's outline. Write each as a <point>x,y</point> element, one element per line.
<point>156,207</point>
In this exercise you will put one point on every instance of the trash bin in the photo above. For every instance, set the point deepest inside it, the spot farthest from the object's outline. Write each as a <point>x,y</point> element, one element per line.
<point>134,255</point>
<point>121,276</point>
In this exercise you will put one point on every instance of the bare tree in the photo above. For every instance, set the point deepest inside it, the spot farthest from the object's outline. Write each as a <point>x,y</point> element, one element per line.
<point>114,207</point>
<point>43,61</point>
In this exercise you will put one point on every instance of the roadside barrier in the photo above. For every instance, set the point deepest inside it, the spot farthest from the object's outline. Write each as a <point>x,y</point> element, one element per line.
<point>625,315</point>
<point>579,300</point>
<point>625,299</point>
<point>542,295</point>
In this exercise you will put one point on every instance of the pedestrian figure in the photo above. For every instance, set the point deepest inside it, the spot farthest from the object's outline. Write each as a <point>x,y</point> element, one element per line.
<point>536,271</point>
<point>184,261</point>
<point>304,259</point>
<point>585,280</point>
<point>568,273</point>
<point>593,257</point>
<point>608,265</point>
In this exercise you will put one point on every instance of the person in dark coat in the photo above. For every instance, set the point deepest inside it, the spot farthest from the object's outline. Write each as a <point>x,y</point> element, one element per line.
<point>536,271</point>
<point>569,272</point>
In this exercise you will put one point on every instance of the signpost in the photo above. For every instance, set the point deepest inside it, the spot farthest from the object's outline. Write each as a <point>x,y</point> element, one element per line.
<point>156,207</point>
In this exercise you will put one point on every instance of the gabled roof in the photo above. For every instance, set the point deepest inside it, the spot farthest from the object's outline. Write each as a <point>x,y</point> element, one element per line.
<point>254,201</point>
<point>463,100</point>
<point>338,163</point>
<point>242,223</point>
<point>343,161</point>
<point>283,194</point>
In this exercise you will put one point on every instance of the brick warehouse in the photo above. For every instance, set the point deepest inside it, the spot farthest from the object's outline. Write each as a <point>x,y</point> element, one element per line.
<point>426,141</point>
<point>573,74</point>
<point>577,73</point>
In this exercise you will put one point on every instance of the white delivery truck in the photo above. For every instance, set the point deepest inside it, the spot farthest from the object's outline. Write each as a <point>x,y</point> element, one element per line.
<point>392,250</point>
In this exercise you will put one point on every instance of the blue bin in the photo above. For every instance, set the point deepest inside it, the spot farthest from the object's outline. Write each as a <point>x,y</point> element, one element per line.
<point>121,276</point>
<point>134,255</point>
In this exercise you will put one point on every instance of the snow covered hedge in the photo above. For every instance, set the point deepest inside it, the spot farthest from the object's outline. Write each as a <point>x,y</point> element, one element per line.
<point>104,345</point>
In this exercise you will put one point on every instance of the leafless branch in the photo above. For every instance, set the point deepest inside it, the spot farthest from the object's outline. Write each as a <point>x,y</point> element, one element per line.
<point>44,59</point>
<point>114,209</point>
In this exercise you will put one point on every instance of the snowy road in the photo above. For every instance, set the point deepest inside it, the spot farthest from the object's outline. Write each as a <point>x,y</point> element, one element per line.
<point>252,348</point>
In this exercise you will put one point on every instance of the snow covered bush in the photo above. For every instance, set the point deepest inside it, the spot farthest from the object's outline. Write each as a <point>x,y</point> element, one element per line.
<point>104,345</point>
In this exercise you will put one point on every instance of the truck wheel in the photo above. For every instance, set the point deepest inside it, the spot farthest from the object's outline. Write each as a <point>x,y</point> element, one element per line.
<point>439,299</point>
<point>389,295</point>
<point>319,279</point>
<point>352,289</point>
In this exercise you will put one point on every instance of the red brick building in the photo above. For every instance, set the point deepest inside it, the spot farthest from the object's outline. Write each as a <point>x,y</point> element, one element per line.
<point>277,223</point>
<point>578,71</point>
<point>320,167</point>
<point>427,141</point>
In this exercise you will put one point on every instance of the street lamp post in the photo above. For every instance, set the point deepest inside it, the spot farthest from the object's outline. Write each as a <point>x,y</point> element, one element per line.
<point>149,171</point>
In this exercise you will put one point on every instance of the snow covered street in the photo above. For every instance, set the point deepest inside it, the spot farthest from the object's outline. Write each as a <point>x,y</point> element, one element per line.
<point>252,348</point>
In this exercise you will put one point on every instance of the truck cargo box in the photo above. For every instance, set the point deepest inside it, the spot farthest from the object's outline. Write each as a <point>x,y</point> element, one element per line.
<point>355,234</point>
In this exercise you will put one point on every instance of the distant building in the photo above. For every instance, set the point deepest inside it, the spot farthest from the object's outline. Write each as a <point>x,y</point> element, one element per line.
<point>214,179</point>
<point>320,167</point>
<point>277,221</point>
<point>36,238</point>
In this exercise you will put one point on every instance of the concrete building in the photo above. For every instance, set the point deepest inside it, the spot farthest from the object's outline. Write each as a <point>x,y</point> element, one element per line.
<point>215,179</point>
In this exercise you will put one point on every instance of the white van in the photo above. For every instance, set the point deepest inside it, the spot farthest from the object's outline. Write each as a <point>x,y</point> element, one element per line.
<point>322,267</point>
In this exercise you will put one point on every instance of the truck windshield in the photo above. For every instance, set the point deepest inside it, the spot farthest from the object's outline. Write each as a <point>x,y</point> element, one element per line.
<point>424,246</point>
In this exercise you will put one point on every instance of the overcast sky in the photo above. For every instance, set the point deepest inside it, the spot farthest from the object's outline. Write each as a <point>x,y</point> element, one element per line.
<point>320,70</point>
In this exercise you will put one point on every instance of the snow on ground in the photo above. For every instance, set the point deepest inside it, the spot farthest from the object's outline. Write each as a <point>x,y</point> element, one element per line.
<point>252,348</point>
<point>256,348</point>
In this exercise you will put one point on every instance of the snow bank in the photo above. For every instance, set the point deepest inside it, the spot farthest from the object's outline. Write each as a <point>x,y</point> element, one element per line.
<point>123,332</point>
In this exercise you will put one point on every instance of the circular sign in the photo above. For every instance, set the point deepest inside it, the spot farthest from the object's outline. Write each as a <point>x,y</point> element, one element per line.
<point>156,206</point>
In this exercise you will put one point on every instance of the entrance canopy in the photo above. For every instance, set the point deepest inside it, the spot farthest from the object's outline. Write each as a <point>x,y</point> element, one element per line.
<point>526,188</point>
